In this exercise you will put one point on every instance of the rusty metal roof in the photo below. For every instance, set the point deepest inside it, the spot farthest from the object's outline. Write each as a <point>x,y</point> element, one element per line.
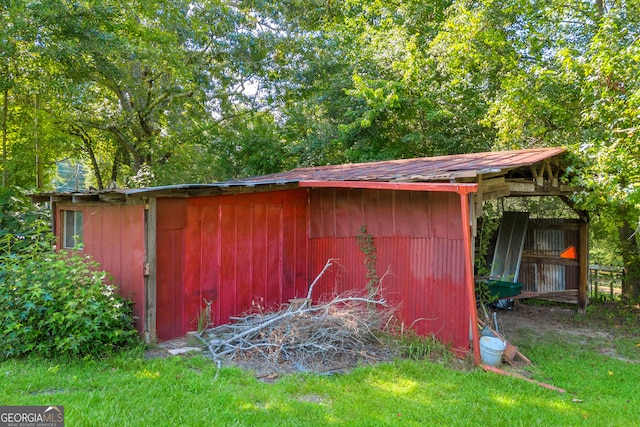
<point>442,168</point>
<point>459,167</point>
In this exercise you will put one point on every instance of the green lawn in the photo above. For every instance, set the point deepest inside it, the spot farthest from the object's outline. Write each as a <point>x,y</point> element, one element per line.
<point>128,390</point>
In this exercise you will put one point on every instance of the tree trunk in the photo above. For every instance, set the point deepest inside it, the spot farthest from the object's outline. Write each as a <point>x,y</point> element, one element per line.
<point>630,259</point>
<point>121,158</point>
<point>5,112</point>
<point>95,166</point>
<point>88,145</point>
<point>39,165</point>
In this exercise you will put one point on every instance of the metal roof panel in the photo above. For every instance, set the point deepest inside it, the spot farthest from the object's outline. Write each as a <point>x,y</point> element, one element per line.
<point>423,169</point>
<point>418,169</point>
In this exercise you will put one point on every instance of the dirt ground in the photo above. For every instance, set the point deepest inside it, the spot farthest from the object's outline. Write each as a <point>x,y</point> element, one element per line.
<point>542,319</point>
<point>264,370</point>
<point>564,319</point>
<point>603,324</point>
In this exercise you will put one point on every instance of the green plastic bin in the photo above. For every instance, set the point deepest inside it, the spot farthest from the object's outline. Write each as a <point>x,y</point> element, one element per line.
<point>504,289</point>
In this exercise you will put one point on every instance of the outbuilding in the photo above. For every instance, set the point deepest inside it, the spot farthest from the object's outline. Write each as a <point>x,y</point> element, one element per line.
<point>221,249</point>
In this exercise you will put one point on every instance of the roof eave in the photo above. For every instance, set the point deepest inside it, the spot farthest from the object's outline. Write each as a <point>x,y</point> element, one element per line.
<point>446,187</point>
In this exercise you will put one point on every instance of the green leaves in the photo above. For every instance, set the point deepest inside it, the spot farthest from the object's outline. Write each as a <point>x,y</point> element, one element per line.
<point>53,303</point>
<point>131,83</point>
<point>59,304</point>
<point>23,227</point>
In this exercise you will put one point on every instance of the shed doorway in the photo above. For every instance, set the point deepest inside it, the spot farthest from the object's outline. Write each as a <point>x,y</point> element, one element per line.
<point>540,254</point>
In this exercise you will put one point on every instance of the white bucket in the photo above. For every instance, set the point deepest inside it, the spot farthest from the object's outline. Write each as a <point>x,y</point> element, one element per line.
<point>491,350</point>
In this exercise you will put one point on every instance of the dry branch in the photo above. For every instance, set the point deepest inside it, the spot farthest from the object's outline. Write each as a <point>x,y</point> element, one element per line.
<point>329,263</point>
<point>336,334</point>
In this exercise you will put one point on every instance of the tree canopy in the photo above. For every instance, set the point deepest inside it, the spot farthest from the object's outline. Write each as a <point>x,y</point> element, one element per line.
<point>167,91</point>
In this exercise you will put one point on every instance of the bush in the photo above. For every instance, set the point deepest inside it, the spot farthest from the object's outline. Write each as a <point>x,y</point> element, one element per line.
<point>24,227</point>
<point>60,304</point>
<point>53,303</point>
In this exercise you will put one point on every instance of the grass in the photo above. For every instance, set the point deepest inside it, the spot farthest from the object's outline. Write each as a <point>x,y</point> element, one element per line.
<point>129,390</point>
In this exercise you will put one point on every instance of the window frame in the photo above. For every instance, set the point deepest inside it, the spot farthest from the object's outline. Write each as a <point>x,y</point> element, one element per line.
<point>72,229</point>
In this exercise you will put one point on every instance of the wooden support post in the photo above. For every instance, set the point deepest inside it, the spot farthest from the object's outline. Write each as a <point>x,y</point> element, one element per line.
<point>479,206</point>
<point>150,330</point>
<point>466,211</point>
<point>611,283</point>
<point>583,265</point>
<point>583,255</point>
<point>538,177</point>
<point>547,165</point>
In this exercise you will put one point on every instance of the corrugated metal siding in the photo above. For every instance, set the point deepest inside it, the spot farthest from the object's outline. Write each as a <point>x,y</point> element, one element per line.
<point>418,238</point>
<point>114,237</point>
<point>542,268</point>
<point>240,250</point>
<point>243,250</point>
<point>342,212</point>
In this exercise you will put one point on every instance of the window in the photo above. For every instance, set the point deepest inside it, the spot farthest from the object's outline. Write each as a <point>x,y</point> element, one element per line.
<point>72,229</point>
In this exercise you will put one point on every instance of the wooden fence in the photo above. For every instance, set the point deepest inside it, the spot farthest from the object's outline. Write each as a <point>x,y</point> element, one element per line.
<point>605,279</point>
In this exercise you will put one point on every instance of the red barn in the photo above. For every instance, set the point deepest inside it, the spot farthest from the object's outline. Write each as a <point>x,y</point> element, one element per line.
<point>263,240</point>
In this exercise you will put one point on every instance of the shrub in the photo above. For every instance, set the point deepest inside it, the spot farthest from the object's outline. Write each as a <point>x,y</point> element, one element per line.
<point>24,227</point>
<point>60,304</point>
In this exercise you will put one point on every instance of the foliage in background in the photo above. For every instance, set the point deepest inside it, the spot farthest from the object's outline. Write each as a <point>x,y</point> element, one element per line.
<point>604,249</point>
<point>566,74</point>
<point>611,88</point>
<point>23,226</point>
<point>122,86</point>
<point>488,226</point>
<point>172,91</point>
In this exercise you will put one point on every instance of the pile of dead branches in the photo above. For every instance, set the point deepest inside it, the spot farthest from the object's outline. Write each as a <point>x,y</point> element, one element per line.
<point>336,334</point>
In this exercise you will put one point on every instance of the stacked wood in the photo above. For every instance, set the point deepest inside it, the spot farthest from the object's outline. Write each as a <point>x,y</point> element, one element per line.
<point>337,334</point>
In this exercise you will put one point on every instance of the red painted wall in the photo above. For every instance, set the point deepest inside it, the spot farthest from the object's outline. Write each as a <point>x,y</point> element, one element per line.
<point>419,241</point>
<point>240,252</point>
<point>114,237</point>
<point>255,251</point>
<point>171,223</point>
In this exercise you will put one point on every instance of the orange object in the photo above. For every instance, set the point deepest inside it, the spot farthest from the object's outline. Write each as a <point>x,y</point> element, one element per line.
<point>499,371</point>
<point>569,253</point>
